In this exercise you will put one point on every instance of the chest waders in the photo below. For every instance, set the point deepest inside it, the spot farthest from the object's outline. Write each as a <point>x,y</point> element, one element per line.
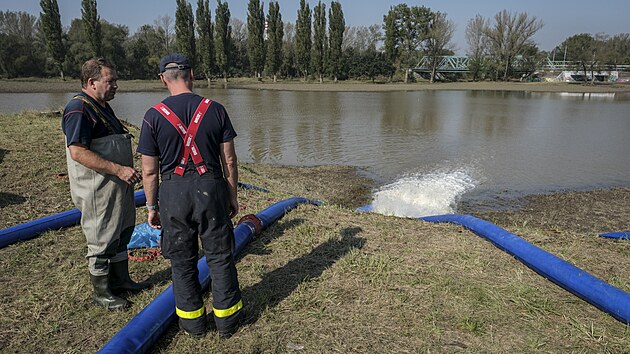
<point>195,205</point>
<point>108,215</point>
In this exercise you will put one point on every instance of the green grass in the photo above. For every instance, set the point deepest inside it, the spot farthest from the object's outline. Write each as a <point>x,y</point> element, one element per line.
<point>322,279</point>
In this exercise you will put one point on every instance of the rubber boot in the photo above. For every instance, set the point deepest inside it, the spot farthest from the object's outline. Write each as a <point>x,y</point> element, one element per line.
<point>119,280</point>
<point>196,328</point>
<point>236,323</point>
<point>103,296</point>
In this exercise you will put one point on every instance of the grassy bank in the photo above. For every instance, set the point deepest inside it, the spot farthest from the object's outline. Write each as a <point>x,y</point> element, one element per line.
<point>56,85</point>
<point>322,279</point>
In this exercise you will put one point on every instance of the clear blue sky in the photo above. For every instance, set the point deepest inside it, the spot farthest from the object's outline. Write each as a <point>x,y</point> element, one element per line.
<point>562,18</point>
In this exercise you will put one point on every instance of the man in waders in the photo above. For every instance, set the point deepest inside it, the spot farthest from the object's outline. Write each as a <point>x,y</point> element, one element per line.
<point>101,174</point>
<point>188,139</point>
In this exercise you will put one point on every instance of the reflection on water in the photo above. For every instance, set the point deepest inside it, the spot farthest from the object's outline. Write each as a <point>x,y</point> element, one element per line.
<point>508,142</point>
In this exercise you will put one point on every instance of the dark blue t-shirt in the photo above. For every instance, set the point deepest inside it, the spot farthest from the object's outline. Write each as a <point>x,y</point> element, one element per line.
<point>159,138</point>
<point>81,124</point>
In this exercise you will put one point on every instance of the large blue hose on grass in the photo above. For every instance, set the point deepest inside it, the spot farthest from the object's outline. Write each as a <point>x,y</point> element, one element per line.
<point>36,227</point>
<point>141,333</point>
<point>617,235</point>
<point>32,229</point>
<point>595,291</point>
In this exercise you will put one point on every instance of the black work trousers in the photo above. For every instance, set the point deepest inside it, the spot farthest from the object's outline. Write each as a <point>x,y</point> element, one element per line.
<point>197,206</point>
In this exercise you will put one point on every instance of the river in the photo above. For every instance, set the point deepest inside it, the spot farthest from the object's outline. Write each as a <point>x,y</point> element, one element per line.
<point>428,151</point>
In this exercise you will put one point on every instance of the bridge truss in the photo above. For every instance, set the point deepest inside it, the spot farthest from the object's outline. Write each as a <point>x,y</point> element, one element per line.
<point>459,64</point>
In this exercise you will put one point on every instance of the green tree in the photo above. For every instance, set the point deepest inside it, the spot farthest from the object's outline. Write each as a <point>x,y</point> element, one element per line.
<point>21,47</point>
<point>92,27</point>
<point>78,48</point>
<point>255,38</point>
<point>392,25</point>
<point>275,32</point>
<point>336,29</point>
<point>319,41</point>
<point>185,30</point>
<point>239,57</point>
<point>303,38</point>
<point>222,41</point>
<point>206,40</point>
<point>438,40</point>
<point>478,47</point>
<point>582,50</point>
<point>509,36</point>
<point>406,30</point>
<point>139,53</point>
<point>51,25</point>
<point>115,37</point>
<point>289,65</point>
<point>153,37</point>
<point>618,50</point>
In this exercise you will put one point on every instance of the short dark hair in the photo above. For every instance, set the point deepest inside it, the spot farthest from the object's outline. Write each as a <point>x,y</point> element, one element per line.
<point>91,69</point>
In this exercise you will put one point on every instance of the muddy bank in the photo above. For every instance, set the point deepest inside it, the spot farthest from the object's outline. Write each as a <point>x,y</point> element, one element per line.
<point>425,86</point>
<point>584,213</point>
<point>55,85</point>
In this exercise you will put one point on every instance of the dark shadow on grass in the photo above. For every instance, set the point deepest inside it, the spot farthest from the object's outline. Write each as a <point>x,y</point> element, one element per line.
<point>7,199</point>
<point>3,153</point>
<point>280,283</point>
<point>259,245</point>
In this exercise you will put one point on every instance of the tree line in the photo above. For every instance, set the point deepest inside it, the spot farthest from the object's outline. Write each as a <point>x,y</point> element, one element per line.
<point>318,46</point>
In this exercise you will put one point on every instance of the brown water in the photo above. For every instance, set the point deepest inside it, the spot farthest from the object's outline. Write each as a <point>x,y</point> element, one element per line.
<point>428,150</point>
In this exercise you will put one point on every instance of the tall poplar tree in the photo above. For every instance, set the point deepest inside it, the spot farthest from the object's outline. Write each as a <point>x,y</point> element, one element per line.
<point>255,39</point>
<point>337,27</point>
<point>392,38</point>
<point>185,30</point>
<point>319,41</point>
<point>206,40</point>
<point>92,26</point>
<point>275,34</point>
<point>222,40</point>
<point>51,25</point>
<point>303,38</point>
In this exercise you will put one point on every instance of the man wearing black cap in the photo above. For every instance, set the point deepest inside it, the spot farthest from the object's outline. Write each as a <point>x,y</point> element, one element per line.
<point>189,140</point>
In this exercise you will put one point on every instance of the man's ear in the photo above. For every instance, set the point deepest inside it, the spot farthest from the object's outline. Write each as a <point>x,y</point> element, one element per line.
<point>192,75</point>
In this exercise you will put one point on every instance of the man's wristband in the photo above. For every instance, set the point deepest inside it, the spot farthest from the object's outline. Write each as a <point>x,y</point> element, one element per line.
<point>153,207</point>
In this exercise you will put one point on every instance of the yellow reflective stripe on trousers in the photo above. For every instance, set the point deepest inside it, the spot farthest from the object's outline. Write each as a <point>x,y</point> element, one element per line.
<point>189,315</point>
<point>227,312</point>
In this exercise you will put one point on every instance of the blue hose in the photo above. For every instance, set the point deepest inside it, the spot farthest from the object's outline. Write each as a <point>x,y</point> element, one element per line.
<point>617,235</point>
<point>36,227</point>
<point>139,335</point>
<point>595,291</point>
<point>32,229</point>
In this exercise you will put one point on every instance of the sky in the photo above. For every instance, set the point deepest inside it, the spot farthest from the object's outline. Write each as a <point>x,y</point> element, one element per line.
<point>561,18</point>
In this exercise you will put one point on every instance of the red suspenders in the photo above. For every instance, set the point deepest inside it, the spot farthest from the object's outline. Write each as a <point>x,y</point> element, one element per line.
<point>188,135</point>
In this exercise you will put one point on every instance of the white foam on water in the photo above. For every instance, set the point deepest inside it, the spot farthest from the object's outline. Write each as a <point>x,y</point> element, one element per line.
<point>421,195</point>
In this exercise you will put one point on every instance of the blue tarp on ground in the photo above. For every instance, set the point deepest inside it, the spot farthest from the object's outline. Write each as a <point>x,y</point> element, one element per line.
<point>144,236</point>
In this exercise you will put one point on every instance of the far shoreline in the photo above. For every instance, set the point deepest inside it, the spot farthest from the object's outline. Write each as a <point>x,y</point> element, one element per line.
<point>33,85</point>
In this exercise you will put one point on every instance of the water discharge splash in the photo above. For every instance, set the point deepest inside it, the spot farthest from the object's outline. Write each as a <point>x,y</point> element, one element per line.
<point>421,195</point>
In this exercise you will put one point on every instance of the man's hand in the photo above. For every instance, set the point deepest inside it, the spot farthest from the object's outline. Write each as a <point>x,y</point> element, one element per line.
<point>154,219</point>
<point>88,158</point>
<point>233,207</point>
<point>128,174</point>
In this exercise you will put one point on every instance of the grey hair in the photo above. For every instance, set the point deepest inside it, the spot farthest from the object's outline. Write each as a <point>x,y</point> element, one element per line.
<point>176,74</point>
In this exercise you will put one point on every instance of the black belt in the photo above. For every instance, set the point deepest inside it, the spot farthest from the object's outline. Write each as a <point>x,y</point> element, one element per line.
<point>193,173</point>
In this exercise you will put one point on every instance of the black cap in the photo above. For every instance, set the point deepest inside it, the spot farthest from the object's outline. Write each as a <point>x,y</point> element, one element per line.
<point>174,58</point>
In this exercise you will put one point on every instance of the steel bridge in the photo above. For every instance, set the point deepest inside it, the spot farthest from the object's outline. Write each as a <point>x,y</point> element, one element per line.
<point>459,64</point>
